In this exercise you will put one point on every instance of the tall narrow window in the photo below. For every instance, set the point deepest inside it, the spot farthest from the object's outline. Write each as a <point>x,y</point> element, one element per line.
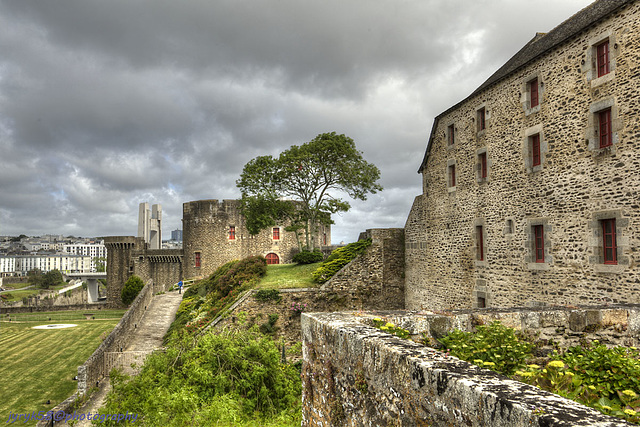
<point>276,233</point>
<point>602,52</point>
<point>452,175</point>
<point>479,243</point>
<point>324,239</point>
<point>609,244</point>
<point>604,120</point>
<point>482,160</point>
<point>533,93</point>
<point>538,233</point>
<point>451,139</point>
<point>197,259</point>
<point>481,119</point>
<point>232,232</point>
<point>535,149</point>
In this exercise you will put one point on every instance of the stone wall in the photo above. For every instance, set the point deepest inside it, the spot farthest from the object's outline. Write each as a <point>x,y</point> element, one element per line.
<point>206,225</point>
<point>45,308</point>
<point>576,186</point>
<point>378,274</point>
<point>357,375</point>
<point>92,371</point>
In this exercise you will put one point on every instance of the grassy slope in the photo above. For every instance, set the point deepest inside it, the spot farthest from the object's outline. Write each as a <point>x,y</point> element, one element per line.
<point>287,276</point>
<point>38,365</point>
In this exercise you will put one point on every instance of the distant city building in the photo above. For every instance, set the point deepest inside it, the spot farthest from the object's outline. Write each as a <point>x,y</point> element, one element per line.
<point>65,263</point>
<point>176,235</point>
<point>150,225</point>
<point>7,266</point>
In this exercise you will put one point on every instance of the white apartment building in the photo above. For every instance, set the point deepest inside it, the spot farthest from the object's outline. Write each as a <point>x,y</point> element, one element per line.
<point>7,265</point>
<point>65,263</point>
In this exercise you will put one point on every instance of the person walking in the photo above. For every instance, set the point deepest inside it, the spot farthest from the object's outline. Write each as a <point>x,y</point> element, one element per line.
<point>180,287</point>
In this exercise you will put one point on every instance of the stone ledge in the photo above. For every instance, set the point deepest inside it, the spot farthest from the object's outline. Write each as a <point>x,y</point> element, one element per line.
<point>355,374</point>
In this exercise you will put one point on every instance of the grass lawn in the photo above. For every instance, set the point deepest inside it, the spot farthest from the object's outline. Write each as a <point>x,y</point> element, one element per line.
<point>287,276</point>
<point>39,365</point>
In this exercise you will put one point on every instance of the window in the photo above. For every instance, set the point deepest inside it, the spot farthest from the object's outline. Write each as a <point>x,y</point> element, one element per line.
<point>276,233</point>
<point>451,139</point>
<point>324,239</point>
<point>535,149</point>
<point>482,160</point>
<point>609,244</point>
<point>533,93</point>
<point>232,233</point>
<point>479,243</point>
<point>272,258</point>
<point>481,119</point>
<point>452,175</point>
<point>604,128</point>
<point>482,302</point>
<point>602,58</point>
<point>538,242</point>
<point>197,259</point>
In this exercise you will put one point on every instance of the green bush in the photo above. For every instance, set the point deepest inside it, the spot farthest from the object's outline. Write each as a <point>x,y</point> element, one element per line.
<point>338,259</point>
<point>494,346</point>
<point>233,378</point>
<point>264,295</point>
<point>308,257</point>
<point>131,289</point>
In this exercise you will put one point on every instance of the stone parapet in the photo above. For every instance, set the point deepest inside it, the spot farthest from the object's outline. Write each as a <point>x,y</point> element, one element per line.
<point>357,375</point>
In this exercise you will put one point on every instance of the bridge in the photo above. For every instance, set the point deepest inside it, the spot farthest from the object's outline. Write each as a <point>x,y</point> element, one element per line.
<point>91,279</point>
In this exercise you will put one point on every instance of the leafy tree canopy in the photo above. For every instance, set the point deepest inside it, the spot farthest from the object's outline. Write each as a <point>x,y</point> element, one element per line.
<point>310,174</point>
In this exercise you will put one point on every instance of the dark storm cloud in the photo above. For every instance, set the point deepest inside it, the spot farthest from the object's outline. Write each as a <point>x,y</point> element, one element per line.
<point>104,105</point>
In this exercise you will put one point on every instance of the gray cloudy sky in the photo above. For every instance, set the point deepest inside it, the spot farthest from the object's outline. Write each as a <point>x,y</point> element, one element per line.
<point>106,104</point>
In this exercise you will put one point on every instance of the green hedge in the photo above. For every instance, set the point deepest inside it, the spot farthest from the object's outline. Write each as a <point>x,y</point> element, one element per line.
<point>338,259</point>
<point>131,289</point>
<point>308,257</point>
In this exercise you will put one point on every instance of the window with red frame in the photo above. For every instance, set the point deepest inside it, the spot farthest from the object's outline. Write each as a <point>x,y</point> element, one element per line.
<point>609,244</point>
<point>232,232</point>
<point>481,119</point>
<point>452,175</point>
<point>197,258</point>
<point>604,120</point>
<point>451,139</point>
<point>324,239</point>
<point>479,243</point>
<point>482,157</point>
<point>602,52</point>
<point>535,150</point>
<point>276,233</point>
<point>533,93</point>
<point>272,258</point>
<point>538,234</point>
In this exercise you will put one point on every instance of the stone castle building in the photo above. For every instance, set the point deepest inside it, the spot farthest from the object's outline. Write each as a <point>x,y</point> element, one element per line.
<point>531,185</point>
<point>214,233</point>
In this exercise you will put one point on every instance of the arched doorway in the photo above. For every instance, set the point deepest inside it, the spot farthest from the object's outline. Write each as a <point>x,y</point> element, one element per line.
<point>272,258</point>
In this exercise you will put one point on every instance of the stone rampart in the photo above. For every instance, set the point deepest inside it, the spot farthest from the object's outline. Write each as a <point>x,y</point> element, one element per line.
<point>355,374</point>
<point>378,274</point>
<point>93,370</point>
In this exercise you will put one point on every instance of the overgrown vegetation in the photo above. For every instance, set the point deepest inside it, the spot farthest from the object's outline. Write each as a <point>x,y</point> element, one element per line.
<point>131,289</point>
<point>607,379</point>
<point>308,257</point>
<point>45,280</point>
<point>264,295</point>
<point>203,301</point>
<point>338,259</point>
<point>233,378</point>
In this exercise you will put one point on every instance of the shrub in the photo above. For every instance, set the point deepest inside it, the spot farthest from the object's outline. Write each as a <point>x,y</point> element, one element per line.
<point>493,346</point>
<point>264,295</point>
<point>269,327</point>
<point>338,259</point>
<point>231,378</point>
<point>308,257</point>
<point>131,289</point>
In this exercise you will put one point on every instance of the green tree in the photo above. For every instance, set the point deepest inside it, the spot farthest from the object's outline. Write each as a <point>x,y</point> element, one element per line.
<point>311,175</point>
<point>36,278</point>
<point>131,289</point>
<point>101,264</point>
<point>52,278</point>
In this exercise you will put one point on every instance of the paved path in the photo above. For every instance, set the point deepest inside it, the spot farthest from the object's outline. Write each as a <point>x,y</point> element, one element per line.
<point>147,337</point>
